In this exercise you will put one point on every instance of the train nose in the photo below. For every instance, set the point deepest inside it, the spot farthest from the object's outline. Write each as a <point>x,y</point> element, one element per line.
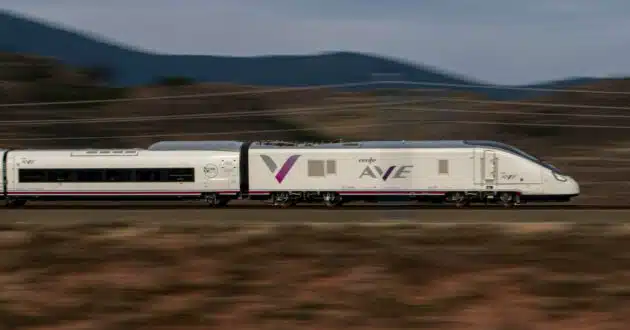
<point>574,187</point>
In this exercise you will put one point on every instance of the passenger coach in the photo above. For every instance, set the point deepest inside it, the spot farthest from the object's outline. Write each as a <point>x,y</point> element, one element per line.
<point>119,174</point>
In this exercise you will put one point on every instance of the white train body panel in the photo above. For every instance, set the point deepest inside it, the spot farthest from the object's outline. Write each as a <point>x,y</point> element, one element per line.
<point>2,174</point>
<point>213,172</point>
<point>361,171</point>
<point>407,170</point>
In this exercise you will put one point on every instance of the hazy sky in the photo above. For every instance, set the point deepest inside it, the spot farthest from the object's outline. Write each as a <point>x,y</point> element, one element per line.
<point>501,41</point>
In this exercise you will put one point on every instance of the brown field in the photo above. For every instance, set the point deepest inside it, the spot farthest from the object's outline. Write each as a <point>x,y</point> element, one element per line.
<point>123,276</point>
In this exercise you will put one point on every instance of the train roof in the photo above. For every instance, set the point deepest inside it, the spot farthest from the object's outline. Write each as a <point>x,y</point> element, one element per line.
<point>235,146</point>
<point>197,145</point>
<point>230,145</point>
<point>368,145</point>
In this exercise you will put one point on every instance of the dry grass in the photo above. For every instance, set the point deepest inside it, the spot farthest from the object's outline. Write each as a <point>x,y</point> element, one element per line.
<point>352,277</point>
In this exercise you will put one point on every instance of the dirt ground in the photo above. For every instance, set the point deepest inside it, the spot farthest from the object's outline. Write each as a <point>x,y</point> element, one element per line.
<point>122,276</point>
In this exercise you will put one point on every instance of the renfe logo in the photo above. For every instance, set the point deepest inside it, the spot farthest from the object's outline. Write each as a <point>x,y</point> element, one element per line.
<point>284,170</point>
<point>385,174</point>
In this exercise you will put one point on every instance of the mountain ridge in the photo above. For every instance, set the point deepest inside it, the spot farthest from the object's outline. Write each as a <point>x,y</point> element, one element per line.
<point>131,65</point>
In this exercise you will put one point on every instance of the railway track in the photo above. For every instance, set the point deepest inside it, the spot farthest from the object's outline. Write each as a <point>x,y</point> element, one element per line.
<point>198,214</point>
<point>262,207</point>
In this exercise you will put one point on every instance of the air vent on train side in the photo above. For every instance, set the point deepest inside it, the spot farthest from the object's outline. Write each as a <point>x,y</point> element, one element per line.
<point>112,152</point>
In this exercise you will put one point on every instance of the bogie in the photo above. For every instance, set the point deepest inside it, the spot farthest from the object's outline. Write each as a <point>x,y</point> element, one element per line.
<point>284,199</point>
<point>332,199</point>
<point>216,200</point>
<point>509,199</point>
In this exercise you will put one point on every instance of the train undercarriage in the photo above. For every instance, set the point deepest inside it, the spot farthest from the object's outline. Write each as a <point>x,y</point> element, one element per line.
<point>458,199</point>
<point>286,199</point>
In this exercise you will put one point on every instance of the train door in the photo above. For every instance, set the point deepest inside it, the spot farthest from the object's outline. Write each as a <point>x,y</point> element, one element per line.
<point>3,175</point>
<point>11,172</point>
<point>486,172</point>
<point>221,174</point>
<point>230,168</point>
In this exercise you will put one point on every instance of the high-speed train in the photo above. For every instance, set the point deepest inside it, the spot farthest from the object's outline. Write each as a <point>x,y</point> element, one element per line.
<point>285,173</point>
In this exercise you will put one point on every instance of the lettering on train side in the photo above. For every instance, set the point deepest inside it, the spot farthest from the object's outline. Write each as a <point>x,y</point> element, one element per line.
<point>367,160</point>
<point>394,172</point>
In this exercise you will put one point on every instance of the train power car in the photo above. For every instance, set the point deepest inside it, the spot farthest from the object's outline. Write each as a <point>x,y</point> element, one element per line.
<point>282,173</point>
<point>119,174</point>
<point>454,171</point>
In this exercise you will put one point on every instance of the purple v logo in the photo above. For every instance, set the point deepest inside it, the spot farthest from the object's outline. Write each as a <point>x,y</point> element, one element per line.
<point>284,170</point>
<point>387,173</point>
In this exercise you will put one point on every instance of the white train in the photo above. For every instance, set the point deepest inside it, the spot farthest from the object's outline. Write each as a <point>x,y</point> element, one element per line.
<point>459,172</point>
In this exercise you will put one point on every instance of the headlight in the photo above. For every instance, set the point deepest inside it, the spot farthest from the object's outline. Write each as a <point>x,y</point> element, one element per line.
<point>559,177</point>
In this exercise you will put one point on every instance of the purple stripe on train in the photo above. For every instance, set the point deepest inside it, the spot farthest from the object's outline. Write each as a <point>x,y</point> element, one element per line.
<point>284,170</point>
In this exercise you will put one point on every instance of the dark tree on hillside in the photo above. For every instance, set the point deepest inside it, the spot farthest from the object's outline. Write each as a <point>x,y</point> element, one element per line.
<point>98,74</point>
<point>174,81</point>
<point>29,72</point>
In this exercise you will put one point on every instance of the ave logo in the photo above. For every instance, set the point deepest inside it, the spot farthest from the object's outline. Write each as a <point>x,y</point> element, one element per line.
<point>394,171</point>
<point>284,170</point>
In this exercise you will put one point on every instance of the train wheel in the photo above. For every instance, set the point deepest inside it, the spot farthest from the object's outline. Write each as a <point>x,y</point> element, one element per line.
<point>283,200</point>
<point>214,200</point>
<point>508,199</point>
<point>461,200</point>
<point>332,199</point>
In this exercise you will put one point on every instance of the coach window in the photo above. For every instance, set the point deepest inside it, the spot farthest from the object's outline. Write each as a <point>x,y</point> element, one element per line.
<point>118,175</point>
<point>315,168</point>
<point>62,176</point>
<point>331,166</point>
<point>33,176</point>
<point>181,174</point>
<point>90,175</point>
<point>148,175</point>
<point>443,166</point>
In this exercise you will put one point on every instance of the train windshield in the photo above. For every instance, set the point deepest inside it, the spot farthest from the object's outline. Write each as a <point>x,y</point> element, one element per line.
<point>516,151</point>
